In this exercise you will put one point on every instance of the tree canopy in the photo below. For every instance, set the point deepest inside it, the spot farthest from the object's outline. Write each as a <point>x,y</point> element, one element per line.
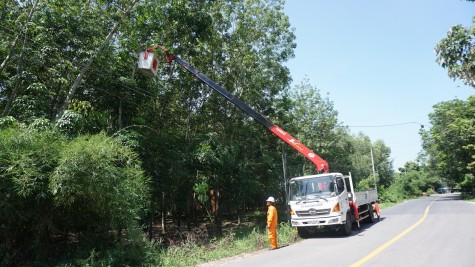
<point>449,145</point>
<point>456,53</point>
<point>129,150</point>
<point>450,141</point>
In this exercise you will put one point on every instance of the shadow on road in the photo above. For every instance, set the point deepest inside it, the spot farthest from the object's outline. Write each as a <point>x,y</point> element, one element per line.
<point>321,233</point>
<point>448,197</point>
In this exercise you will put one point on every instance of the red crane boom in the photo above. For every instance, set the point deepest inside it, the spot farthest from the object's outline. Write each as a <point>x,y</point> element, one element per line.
<point>150,65</point>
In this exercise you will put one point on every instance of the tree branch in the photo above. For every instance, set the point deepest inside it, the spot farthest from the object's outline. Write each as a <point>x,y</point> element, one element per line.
<point>86,67</point>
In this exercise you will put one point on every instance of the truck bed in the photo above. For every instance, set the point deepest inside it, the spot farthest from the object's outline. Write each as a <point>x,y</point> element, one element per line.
<point>366,197</point>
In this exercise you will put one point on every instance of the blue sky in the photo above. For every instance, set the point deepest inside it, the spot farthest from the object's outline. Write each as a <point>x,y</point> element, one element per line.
<point>376,62</point>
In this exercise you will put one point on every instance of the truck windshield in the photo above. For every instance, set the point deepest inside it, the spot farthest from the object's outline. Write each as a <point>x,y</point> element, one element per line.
<point>312,188</point>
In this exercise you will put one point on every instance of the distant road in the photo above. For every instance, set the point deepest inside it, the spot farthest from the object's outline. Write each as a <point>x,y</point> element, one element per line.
<point>432,231</point>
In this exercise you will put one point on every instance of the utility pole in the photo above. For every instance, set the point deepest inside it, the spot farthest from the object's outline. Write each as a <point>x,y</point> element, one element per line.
<point>372,163</point>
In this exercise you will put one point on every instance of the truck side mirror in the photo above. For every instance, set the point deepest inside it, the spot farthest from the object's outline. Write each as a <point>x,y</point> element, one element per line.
<point>340,185</point>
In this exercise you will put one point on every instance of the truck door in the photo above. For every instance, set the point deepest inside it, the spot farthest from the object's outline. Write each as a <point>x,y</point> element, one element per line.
<point>342,194</point>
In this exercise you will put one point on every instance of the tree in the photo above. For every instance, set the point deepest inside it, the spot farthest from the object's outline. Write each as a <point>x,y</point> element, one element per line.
<point>412,181</point>
<point>59,39</point>
<point>362,163</point>
<point>14,16</point>
<point>169,121</point>
<point>16,40</point>
<point>245,55</point>
<point>468,186</point>
<point>456,53</point>
<point>189,140</point>
<point>450,141</point>
<point>315,123</point>
<point>88,63</point>
<point>239,44</point>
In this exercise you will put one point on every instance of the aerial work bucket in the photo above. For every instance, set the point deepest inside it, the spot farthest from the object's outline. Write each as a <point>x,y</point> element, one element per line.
<point>148,63</point>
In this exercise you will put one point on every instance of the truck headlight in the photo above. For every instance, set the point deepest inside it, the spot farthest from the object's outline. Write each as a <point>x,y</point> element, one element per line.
<point>336,208</point>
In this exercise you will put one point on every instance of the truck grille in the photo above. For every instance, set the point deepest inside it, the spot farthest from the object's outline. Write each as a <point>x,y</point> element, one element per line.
<point>313,212</point>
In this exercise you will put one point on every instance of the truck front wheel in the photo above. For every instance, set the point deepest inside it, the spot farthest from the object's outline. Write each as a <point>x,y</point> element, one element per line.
<point>303,232</point>
<point>347,227</point>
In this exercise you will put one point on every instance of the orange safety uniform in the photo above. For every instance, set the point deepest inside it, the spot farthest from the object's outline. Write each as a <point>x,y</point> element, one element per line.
<point>272,225</point>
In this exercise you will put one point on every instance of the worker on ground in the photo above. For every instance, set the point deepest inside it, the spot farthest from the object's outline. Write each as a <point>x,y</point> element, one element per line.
<point>272,222</point>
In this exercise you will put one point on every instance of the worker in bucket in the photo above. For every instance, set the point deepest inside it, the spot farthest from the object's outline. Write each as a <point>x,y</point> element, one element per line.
<point>272,222</point>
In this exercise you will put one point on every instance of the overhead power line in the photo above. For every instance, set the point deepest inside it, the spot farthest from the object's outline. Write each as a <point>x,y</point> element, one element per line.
<point>386,125</point>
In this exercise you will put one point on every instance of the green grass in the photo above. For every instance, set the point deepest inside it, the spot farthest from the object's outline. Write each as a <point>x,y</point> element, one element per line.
<point>238,241</point>
<point>235,241</point>
<point>253,239</point>
<point>387,205</point>
<point>471,200</point>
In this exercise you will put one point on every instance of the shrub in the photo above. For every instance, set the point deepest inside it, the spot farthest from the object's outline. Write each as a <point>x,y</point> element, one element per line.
<point>431,191</point>
<point>99,186</point>
<point>365,184</point>
<point>27,159</point>
<point>392,194</point>
<point>468,186</point>
<point>57,193</point>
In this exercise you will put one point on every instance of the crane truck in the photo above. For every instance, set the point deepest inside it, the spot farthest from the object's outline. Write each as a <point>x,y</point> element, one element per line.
<point>325,200</point>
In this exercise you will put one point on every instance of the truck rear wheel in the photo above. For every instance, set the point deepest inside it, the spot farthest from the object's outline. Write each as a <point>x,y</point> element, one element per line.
<point>370,218</point>
<point>348,226</point>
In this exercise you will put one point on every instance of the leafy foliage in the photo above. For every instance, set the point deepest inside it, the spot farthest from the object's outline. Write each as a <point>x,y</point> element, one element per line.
<point>84,179</point>
<point>410,183</point>
<point>103,180</point>
<point>55,189</point>
<point>28,157</point>
<point>315,121</point>
<point>450,141</point>
<point>468,185</point>
<point>456,53</point>
<point>362,163</point>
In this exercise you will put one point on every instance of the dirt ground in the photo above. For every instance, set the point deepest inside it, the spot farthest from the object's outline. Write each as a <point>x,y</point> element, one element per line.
<point>178,232</point>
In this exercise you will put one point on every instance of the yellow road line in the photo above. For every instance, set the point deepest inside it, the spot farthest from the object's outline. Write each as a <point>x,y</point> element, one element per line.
<point>390,242</point>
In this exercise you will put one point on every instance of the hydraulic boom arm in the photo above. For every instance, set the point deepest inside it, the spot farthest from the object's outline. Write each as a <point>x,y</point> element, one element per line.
<point>320,164</point>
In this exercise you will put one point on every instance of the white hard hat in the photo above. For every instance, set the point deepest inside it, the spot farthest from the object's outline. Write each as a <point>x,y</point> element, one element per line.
<point>270,199</point>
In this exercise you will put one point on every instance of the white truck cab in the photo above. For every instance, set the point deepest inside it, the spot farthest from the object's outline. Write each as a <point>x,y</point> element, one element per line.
<point>328,201</point>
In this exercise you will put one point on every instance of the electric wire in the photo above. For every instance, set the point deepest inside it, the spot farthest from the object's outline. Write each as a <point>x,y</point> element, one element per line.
<point>386,125</point>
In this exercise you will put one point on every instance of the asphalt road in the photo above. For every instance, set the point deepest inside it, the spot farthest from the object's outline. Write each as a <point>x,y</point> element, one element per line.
<point>432,231</point>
